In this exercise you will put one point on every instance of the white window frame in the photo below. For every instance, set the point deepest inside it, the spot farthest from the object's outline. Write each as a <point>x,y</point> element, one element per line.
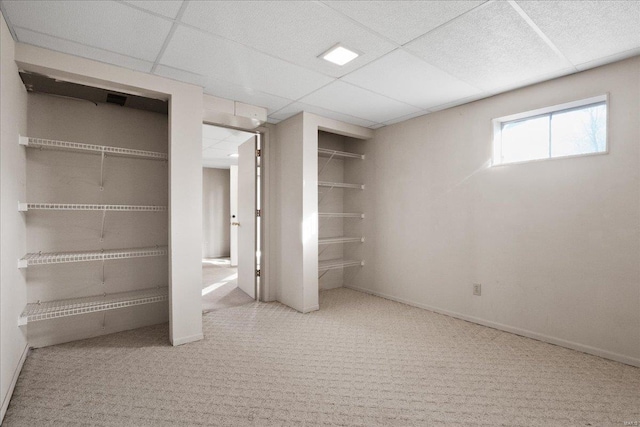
<point>498,122</point>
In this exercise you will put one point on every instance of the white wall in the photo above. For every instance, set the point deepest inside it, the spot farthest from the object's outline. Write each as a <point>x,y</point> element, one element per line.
<point>13,292</point>
<point>64,177</point>
<point>185,170</point>
<point>555,244</point>
<point>295,222</point>
<point>216,213</point>
<point>287,245</point>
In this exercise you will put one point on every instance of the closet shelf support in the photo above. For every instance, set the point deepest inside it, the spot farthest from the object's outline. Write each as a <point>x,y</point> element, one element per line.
<point>71,307</point>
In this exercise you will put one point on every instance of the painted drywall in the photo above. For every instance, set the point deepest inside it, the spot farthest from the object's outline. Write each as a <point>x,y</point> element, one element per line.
<point>288,225</point>
<point>185,170</point>
<point>555,244</point>
<point>64,177</point>
<point>13,292</point>
<point>295,222</point>
<point>216,213</point>
<point>331,200</point>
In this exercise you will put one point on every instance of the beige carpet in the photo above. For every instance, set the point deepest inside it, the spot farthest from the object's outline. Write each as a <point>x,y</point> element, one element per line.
<point>360,361</point>
<point>220,285</point>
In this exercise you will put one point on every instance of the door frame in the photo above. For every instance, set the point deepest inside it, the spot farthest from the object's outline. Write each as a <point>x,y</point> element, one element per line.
<point>266,292</point>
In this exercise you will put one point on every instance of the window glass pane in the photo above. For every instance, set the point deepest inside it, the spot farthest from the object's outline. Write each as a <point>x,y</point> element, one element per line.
<point>525,140</point>
<point>579,131</point>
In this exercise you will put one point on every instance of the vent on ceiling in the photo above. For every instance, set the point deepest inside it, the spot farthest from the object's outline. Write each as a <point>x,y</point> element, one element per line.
<point>112,98</point>
<point>44,84</point>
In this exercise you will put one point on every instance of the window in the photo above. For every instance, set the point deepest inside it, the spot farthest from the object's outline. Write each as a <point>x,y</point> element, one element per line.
<point>571,129</point>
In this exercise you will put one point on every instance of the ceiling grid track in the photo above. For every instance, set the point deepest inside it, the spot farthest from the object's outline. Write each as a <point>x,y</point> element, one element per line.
<point>172,31</point>
<point>539,32</point>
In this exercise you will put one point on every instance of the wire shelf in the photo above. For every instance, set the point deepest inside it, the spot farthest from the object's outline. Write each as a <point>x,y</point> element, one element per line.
<point>72,307</point>
<point>340,185</point>
<point>325,152</point>
<point>24,207</point>
<point>335,264</point>
<point>340,215</point>
<point>91,148</point>
<point>32,259</point>
<point>340,240</point>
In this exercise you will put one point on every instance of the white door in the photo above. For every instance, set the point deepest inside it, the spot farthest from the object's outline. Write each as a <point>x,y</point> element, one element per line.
<point>233,223</point>
<point>247,217</point>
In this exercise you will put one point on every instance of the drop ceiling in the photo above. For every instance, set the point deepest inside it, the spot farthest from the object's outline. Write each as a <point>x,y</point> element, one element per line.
<point>219,143</point>
<point>417,57</point>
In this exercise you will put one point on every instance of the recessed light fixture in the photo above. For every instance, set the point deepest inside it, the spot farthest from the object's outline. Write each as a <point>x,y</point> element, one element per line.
<point>234,155</point>
<point>339,55</point>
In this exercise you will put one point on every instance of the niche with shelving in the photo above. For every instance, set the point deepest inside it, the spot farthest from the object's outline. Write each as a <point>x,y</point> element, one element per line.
<point>340,216</point>
<point>96,216</point>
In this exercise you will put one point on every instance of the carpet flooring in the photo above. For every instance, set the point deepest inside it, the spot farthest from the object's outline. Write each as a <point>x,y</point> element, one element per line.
<point>359,361</point>
<point>220,285</point>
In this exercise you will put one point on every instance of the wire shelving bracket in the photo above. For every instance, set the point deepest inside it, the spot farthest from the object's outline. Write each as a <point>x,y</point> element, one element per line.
<point>340,240</point>
<point>91,148</point>
<point>40,258</point>
<point>25,207</point>
<point>335,264</point>
<point>340,215</point>
<point>71,307</point>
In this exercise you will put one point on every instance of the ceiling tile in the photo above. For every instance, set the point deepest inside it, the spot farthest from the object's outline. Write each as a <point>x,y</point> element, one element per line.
<point>403,21</point>
<point>587,30</point>
<point>608,59</point>
<point>208,143</point>
<point>106,25</point>
<point>247,95</point>
<point>219,59</point>
<point>168,8</point>
<point>297,31</point>
<point>215,132</point>
<point>222,89</point>
<point>293,109</point>
<point>491,46</point>
<point>64,46</point>
<point>402,76</point>
<point>344,98</point>
<point>181,75</point>
<point>407,117</point>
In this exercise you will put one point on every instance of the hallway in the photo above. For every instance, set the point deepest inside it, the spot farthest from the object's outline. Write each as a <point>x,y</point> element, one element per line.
<point>220,285</point>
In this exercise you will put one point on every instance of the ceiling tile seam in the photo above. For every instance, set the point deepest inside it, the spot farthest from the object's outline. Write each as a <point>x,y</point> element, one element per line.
<point>357,23</point>
<point>8,21</point>
<point>167,40</point>
<point>539,32</point>
<point>81,44</point>
<point>147,11</point>
<point>415,56</point>
<point>630,52</point>
<point>333,111</point>
<point>337,112</point>
<point>443,71</point>
<point>370,62</point>
<point>208,33</point>
<point>314,91</point>
<point>307,94</point>
<point>383,95</point>
<point>450,21</point>
<point>261,92</point>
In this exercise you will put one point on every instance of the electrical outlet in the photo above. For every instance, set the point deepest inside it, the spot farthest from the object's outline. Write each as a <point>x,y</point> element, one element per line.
<point>477,289</point>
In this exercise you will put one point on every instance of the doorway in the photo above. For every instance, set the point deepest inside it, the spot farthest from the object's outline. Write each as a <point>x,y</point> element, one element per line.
<point>231,226</point>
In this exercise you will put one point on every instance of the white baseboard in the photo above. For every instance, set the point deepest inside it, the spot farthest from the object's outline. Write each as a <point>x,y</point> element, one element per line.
<point>7,398</point>
<point>186,340</point>
<point>523,332</point>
